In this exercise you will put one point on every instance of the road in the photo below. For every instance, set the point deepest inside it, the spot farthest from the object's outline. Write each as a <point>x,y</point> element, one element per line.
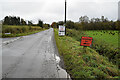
<point>33,56</point>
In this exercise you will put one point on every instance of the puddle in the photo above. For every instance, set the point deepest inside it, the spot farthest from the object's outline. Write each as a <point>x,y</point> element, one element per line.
<point>62,73</point>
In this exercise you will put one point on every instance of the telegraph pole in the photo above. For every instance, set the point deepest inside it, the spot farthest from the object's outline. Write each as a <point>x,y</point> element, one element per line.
<point>65,15</point>
<point>65,10</point>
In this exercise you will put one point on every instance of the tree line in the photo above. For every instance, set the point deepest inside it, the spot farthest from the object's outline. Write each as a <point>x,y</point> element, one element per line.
<point>13,20</point>
<point>84,23</point>
<point>90,24</point>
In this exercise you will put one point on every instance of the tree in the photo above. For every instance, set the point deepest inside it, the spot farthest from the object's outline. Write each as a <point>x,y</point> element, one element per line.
<point>117,25</point>
<point>40,23</point>
<point>84,19</point>
<point>54,25</point>
<point>6,20</point>
<point>30,23</point>
<point>47,26</point>
<point>60,23</point>
<point>18,20</point>
<point>70,24</point>
<point>78,26</point>
<point>13,20</point>
<point>23,22</point>
<point>97,23</point>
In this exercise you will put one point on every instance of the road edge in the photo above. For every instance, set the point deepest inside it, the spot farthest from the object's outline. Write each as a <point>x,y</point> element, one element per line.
<point>61,63</point>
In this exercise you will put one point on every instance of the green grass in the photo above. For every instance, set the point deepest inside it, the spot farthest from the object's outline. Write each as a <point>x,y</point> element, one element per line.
<point>20,34</point>
<point>106,44</point>
<point>19,30</point>
<point>109,37</point>
<point>100,43</point>
<point>81,64</point>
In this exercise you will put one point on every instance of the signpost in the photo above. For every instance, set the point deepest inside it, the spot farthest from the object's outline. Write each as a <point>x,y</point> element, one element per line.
<point>86,41</point>
<point>61,30</point>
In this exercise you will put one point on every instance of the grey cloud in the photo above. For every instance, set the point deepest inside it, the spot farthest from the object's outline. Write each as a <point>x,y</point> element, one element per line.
<point>53,10</point>
<point>91,9</point>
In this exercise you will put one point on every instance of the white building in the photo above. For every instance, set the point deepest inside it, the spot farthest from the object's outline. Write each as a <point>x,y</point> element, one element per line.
<point>119,10</point>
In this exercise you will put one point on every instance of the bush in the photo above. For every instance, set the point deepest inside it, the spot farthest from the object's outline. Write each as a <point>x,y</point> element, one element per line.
<point>106,50</point>
<point>19,30</point>
<point>74,33</point>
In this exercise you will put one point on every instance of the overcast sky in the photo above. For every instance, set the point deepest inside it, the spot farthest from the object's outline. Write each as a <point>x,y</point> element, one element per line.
<point>53,10</point>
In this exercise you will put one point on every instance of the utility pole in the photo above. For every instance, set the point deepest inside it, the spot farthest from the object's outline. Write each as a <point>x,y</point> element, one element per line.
<point>65,10</point>
<point>119,10</point>
<point>65,15</point>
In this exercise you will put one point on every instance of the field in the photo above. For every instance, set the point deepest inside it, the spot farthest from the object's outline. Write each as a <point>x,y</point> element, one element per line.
<point>90,63</point>
<point>106,44</point>
<point>109,37</point>
<point>15,31</point>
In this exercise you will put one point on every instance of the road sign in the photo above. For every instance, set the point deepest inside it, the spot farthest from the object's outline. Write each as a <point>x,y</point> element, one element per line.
<point>61,30</point>
<point>86,41</point>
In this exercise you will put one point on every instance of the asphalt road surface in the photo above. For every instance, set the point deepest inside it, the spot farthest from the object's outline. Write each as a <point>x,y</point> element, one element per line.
<point>32,56</point>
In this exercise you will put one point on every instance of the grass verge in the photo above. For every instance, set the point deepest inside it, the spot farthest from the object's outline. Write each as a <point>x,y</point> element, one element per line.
<point>16,31</point>
<point>81,64</point>
<point>104,42</point>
